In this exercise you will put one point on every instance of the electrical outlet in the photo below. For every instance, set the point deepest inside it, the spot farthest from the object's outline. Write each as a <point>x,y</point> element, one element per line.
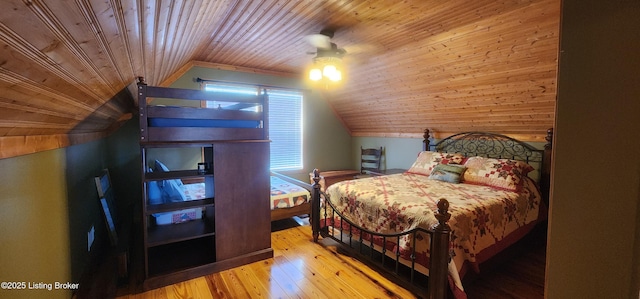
<point>90,236</point>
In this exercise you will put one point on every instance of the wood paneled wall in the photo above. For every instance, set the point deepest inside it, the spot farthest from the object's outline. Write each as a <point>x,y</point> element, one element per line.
<point>67,67</point>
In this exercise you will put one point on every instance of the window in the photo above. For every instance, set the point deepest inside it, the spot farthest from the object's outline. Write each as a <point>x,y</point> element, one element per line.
<point>285,129</point>
<point>285,121</point>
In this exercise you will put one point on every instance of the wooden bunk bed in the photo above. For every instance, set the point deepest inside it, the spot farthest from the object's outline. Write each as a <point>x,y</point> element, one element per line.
<point>425,228</point>
<point>208,230</point>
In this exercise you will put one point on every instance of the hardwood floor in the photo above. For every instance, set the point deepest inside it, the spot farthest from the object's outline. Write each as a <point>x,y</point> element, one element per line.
<point>303,269</point>
<point>518,273</point>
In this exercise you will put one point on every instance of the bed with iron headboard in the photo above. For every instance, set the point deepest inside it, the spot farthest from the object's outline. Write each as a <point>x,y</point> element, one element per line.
<point>464,199</point>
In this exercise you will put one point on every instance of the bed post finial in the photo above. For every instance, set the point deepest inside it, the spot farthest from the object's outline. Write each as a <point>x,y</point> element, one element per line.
<point>426,140</point>
<point>316,176</point>
<point>549,139</point>
<point>141,80</point>
<point>443,214</point>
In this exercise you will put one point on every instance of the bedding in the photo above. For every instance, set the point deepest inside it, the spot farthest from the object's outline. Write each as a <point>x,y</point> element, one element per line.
<point>493,205</point>
<point>499,173</point>
<point>448,173</point>
<point>484,219</point>
<point>283,195</point>
<point>171,189</point>
<point>287,195</point>
<point>167,191</point>
<point>428,160</point>
<point>190,192</point>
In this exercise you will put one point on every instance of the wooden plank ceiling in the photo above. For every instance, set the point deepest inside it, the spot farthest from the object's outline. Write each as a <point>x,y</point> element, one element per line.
<point>66,67</point>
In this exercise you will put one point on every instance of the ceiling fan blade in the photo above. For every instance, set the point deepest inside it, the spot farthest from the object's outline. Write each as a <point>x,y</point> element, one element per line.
<point>366,48</point>
<point>318,41</point>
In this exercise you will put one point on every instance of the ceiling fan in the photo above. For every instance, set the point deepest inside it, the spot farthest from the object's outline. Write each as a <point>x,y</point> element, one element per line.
<point>324,46</point>
<point>328,59</point>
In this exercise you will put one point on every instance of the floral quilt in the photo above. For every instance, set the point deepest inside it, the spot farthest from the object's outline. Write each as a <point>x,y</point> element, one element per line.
<point>482,216</point>
<point>287,195</point>
<point>283,194</point>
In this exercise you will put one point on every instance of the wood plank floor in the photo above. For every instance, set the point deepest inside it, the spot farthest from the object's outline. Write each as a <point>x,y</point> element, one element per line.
<point>517,273</point>
<point>303,269</point>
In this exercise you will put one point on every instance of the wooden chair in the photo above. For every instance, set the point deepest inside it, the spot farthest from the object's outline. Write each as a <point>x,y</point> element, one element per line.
<point>370,160</point>
<point>107,268</point>
<point>118,229</point>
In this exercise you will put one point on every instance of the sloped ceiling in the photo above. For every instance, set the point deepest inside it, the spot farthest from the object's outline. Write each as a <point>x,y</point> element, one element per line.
<point>66,67</point>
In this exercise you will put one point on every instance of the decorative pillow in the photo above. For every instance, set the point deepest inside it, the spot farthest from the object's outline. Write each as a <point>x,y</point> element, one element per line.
<point>160,167</point>
<point>172,190</point>
<point>499,173</point>
<point>155,194</point>
<point>450,173</point>
<point>428,160</point>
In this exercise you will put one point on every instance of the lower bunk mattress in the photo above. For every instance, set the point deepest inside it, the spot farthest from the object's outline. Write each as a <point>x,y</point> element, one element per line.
<point>283,195</point>
<point>287,195</point>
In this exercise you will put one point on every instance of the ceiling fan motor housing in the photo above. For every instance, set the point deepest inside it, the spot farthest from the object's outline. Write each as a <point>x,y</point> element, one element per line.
<point>334,51</point>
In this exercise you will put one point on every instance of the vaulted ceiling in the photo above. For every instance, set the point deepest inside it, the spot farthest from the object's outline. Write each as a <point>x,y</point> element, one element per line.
<point>66,67</point>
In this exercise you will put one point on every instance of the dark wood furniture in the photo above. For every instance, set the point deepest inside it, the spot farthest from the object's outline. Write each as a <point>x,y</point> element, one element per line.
<point>370,159</point>
<point>118,229</point>
<point>327,178</point>
<point>234,228</point>
<point>436,286</point>
<point>107,270</point>
<point>299,210</point>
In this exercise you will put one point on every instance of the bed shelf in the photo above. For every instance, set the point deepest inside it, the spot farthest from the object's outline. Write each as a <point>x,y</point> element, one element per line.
<point>179,174</point>
<point>166,207</point>
<point>194,253</point>
<point>173,233</point>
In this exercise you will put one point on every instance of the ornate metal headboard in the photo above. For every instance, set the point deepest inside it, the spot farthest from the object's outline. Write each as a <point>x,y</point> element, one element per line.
<point>488,145</point>
<point>493,145</point>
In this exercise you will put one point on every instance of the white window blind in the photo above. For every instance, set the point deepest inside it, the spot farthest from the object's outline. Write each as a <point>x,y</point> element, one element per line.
<point>285,121</point>
<point>285,129</point>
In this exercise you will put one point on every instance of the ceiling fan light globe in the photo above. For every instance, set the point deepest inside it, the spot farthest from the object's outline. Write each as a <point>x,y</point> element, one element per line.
<point>337,76</point>
<point>315,74</point>
<point>329,70</point>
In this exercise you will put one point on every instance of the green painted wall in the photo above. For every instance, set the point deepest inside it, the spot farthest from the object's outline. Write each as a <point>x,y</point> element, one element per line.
<point>34,223</point>
<point>593,249</point>
<point>397,152</point>
<point>48,203</point>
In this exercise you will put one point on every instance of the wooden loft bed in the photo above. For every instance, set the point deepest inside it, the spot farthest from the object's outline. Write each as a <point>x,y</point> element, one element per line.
<point>413,246</point>
<point>190,232</point>
<point>189,123</point>
<point>237,121</point>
